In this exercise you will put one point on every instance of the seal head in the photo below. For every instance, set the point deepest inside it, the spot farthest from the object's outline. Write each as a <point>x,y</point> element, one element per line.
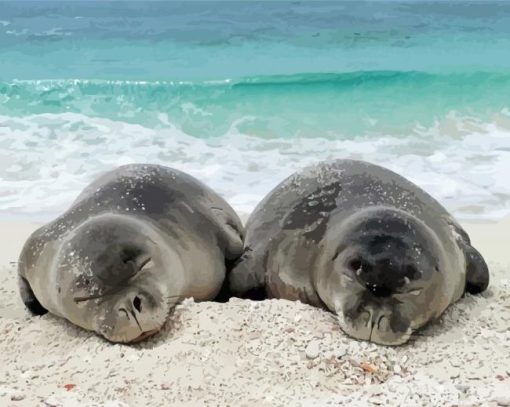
<point>385,270</point>
<point>113,278</point>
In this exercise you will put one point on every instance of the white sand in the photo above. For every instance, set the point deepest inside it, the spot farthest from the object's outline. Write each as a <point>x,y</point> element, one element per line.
<point>245,353</point>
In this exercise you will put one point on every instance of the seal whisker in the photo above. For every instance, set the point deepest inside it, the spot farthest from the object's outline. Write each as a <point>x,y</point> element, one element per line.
<point>175,296</point>
<point>170,308</point>
<point>170,305</point>
<point>145,263</point>
<point>168,299</point>
<point>93,297</point>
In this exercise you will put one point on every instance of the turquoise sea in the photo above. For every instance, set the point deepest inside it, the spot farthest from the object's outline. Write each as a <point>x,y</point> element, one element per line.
<point>241,94</point>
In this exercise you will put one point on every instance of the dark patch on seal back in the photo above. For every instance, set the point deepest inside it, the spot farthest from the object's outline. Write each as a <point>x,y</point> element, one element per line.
<point>29,298</point>
<point>312,212</point>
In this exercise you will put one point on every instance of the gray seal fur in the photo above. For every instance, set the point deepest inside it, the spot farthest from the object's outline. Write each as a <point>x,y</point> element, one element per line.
<point>363,242</point>
<point>135,242</point>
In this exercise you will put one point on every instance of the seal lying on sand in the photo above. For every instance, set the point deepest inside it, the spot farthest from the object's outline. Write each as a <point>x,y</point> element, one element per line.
<point>133,244</point>
<point>362,242</point>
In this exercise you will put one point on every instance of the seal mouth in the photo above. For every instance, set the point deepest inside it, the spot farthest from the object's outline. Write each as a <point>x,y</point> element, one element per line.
<point>144,335</point>
<point>374,324</point>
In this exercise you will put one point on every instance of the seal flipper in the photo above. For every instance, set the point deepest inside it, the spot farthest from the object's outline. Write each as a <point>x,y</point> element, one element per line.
<point>477,272</point>
<point>29,299</point>
<point>231,236</point>
<point>247,278</point>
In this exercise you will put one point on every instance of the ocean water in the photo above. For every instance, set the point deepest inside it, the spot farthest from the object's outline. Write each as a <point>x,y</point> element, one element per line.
<point>241,94</point>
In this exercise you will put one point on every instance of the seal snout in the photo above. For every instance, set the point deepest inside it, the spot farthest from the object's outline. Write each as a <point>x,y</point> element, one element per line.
<point>385,326</point>
<point>132,309</point>
<point>132,319</point>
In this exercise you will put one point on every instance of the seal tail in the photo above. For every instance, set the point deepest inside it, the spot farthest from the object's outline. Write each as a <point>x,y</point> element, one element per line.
<point>29,298</point>
<point>477,272</point>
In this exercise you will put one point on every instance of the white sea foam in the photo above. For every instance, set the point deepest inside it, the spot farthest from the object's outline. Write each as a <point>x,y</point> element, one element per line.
<point>45,161</point>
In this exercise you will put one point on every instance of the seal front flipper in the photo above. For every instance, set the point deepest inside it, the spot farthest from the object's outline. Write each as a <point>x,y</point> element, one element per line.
<point>231,235</point>
<point>477,272</point>
<point>29,299</point>
<point>247,278</point>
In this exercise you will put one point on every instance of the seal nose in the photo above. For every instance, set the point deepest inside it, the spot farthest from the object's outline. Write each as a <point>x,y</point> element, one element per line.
<point>132,308</point>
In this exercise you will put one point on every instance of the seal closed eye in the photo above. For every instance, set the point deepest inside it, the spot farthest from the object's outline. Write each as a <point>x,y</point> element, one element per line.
<point>133,244</point>
<point>364,243</point>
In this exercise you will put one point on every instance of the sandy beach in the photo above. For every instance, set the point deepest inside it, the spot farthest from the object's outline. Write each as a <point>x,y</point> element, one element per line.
<point>240,95</point>
<point>268,353</point>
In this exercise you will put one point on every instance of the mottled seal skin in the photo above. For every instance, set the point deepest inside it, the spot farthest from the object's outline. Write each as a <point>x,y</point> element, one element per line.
<point>133,244</point>
<point>362,242</point>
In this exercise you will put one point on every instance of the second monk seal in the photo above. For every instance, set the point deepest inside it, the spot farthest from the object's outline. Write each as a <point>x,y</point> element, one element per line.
<point>362,242</point>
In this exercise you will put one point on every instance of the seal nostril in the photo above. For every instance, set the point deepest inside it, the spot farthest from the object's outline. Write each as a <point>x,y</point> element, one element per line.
<point>137,302</point>
<point>355,264</point>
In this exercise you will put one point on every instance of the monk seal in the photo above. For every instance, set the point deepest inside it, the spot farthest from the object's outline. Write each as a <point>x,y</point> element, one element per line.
<point>363,242</point>
<point>135,242</point>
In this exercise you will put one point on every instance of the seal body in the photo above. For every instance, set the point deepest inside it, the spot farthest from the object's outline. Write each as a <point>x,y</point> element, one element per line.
<point>363,242</point>
<point>134,243</point>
